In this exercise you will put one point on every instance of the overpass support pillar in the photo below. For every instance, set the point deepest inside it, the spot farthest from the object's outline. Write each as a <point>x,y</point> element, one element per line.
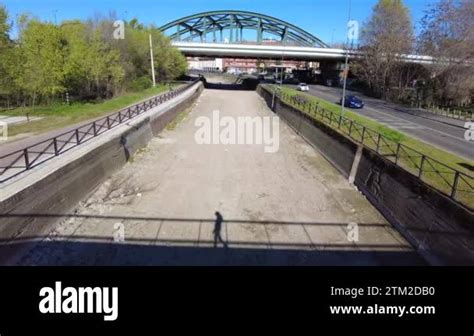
<point>331,72</point>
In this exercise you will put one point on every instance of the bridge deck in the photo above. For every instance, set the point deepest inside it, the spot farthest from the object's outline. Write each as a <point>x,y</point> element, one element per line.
<point>287,208</point>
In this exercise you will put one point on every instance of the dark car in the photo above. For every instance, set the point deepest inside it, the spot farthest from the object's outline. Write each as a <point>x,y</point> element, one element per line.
<point>353,102</point>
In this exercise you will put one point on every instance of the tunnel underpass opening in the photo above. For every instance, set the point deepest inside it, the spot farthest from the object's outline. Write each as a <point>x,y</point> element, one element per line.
<point>218,81</point>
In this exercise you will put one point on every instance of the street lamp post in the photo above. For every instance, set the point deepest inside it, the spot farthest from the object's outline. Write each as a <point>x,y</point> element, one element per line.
<point>344,86</point>
<point>152,62</point>
<point>346,66</point>
<point>280,85</point>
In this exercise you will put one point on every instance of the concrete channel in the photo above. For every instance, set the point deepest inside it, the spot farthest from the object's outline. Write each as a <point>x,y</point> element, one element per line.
<point>291,207</point>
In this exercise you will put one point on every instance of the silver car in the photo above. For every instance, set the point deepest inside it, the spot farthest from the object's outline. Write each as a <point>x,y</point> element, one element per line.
<point>303,87</point>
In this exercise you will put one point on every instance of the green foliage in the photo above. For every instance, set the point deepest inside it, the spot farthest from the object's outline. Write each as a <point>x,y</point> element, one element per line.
<point>4,28</point>
<point>5,51</point>
<point>81,58</point>
<point>140,84</point>
<point>42,55</point>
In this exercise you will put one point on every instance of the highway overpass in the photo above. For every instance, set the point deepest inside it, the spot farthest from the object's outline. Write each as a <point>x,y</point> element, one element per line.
<point>223,50</point>
<point>243,34</point>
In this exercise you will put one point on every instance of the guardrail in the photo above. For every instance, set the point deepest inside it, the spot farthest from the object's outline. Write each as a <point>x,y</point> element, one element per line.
<point>451,113</point>
<point>449,181</point>
<point>16,163</point>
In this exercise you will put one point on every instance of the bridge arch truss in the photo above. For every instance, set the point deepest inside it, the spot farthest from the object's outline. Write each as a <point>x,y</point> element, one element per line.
<point>232,27</point>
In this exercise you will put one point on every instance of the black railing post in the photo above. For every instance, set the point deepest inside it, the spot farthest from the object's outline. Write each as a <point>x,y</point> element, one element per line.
<point>455,185</point>
<point>55,145</point>
<point>108,122</point>
<point>27,159</point>
<point>78,140</point>
<point>378,142</point>
<point>420,173</point>
<point>120,117</point>
<point>94,127</point>
<point>398,152</point>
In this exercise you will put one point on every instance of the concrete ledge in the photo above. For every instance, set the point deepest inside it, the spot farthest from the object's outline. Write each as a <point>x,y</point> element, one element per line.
<point>440,229</point>
<point>60,184</point>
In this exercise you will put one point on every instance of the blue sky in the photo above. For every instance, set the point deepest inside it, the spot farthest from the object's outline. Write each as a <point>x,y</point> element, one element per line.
<point>324,18</point>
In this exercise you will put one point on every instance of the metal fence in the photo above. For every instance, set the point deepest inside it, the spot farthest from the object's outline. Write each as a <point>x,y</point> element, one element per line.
<point>451,182</point>
<point>15,163</point>
<point>451,113</point>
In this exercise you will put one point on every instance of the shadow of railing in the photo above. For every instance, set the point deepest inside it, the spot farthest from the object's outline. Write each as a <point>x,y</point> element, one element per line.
<point>137,253</point>
<point>178,249</point>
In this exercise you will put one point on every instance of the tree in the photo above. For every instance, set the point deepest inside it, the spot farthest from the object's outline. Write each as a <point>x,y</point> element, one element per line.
<point>41,46</point>
<point>387,35</point>
<point>448,35</point>
<point>5,51</point>
<point>4,28</point>
<point>82,58</point>
<point>169,62</point>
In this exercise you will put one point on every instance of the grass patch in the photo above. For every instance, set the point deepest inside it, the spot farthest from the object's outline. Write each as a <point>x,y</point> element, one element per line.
<point>58,116</point>
<point>438,165</point>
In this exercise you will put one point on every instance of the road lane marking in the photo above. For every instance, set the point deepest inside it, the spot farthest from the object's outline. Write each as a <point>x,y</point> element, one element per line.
<point>404,120</point>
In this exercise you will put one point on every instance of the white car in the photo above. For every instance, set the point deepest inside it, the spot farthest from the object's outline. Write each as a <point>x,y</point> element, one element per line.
<point>303,87</point>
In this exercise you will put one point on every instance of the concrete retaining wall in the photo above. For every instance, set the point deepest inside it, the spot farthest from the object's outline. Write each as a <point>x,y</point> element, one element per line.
<point>336,148</point>
<point>440,229</point>
<point>71,180</point>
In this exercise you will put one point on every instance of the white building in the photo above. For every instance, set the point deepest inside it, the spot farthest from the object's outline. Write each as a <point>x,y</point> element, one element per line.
<point>205,64</point>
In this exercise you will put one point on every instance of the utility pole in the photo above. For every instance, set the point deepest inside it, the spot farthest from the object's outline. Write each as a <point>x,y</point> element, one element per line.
<point>152,62</point>
<point>282,75</point>
<point>346,66</point>
<point>55,17</point>
<point>282,65</point>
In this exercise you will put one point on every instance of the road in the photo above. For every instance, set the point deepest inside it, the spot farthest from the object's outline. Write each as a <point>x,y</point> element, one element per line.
<point>285,208</point>
<point>441,132</point>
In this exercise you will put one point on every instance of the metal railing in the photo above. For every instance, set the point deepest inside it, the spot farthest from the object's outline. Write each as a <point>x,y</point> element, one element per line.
<point>453,183</point>
<point>17,162</point>
<point>451,113</point>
